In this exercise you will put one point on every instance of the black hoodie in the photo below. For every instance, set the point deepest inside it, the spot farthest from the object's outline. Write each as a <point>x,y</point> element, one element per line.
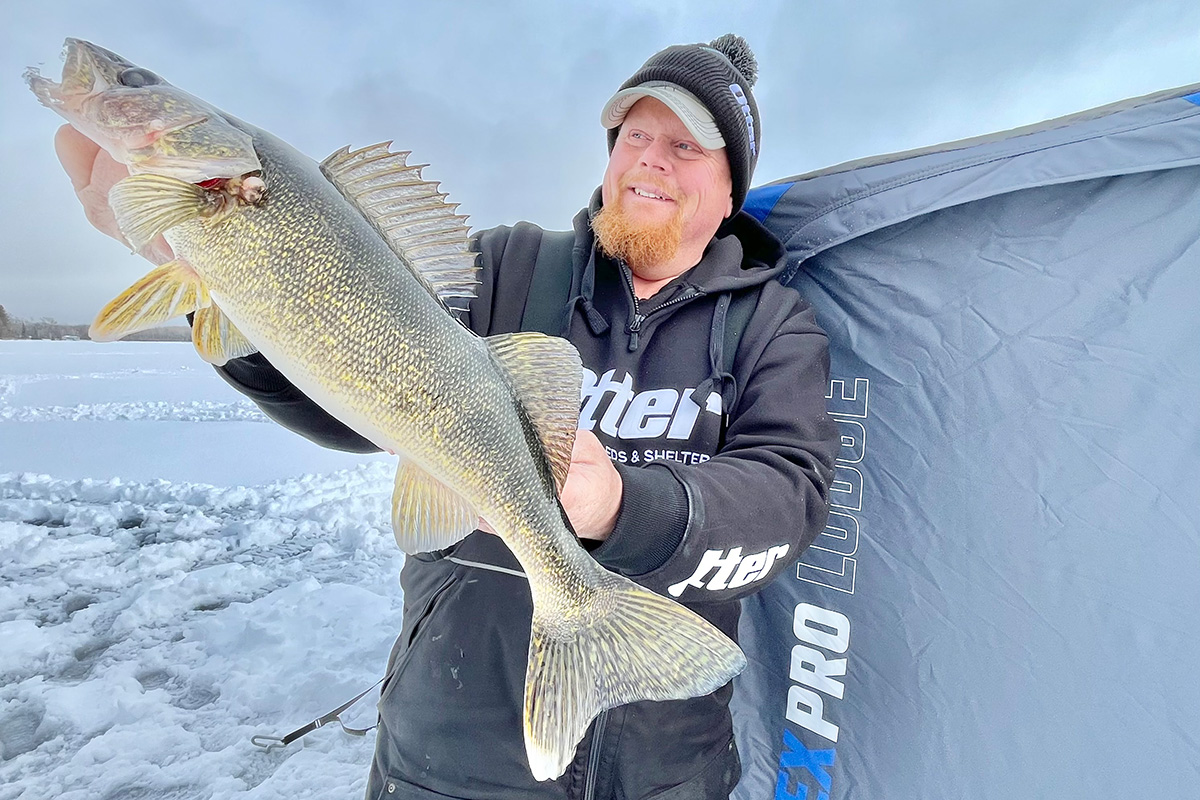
<point>726,480</point>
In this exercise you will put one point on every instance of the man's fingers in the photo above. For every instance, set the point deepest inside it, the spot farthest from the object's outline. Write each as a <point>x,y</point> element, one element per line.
<point>93,172</point>
<point>77,154</point>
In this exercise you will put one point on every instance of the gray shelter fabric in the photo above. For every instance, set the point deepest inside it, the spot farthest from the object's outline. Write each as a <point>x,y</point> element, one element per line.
<point>1006,601</point>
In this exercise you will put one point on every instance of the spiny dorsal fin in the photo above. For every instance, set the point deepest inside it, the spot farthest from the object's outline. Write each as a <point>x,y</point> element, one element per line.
<point>412,215</point>
<point>217,339</point>
<point>546,373</point>
<point>167,291</point>
<point>426,514</point>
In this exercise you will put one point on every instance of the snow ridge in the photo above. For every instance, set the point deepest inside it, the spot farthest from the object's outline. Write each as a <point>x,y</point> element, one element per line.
<point>150,628</point>
<point>157,411</point>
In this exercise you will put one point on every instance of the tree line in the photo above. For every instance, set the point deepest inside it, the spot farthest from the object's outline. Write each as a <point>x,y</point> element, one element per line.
<point>45,328</point>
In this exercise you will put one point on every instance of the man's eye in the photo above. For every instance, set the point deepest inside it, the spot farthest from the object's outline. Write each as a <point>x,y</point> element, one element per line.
<point>685,146</point>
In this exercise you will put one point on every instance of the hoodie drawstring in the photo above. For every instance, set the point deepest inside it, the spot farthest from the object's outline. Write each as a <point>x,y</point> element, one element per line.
<point>718,380</point>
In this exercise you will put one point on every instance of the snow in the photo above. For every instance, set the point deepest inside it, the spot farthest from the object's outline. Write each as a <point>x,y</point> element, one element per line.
<point>178,574</point>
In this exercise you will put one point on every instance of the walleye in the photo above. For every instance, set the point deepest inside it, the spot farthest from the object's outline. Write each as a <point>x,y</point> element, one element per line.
<point>343,276</point>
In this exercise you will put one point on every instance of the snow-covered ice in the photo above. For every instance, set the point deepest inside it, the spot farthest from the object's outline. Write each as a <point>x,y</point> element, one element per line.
<point>177,574</point>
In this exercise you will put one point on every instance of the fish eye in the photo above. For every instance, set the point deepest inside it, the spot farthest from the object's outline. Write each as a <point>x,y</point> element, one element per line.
<point>136,77</point>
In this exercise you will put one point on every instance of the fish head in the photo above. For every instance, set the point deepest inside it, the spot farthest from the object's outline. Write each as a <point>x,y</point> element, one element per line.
<point>142,120</point>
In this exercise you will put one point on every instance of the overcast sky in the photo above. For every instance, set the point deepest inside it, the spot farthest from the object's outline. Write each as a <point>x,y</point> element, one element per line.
<point>503,100</point>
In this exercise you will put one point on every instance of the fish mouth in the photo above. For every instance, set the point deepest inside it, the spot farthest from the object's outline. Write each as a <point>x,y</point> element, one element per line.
<point>88,69</point>
<point>142,120</point>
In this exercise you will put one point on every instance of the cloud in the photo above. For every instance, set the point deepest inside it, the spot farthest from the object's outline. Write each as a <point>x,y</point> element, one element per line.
<point>502,99</point>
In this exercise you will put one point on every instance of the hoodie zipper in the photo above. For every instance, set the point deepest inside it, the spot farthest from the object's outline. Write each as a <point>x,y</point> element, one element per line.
<point>593,765</point>
<point>635,326</point>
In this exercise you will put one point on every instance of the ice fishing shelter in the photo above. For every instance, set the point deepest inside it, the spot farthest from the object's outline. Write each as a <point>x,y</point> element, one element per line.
<point>1006,601</point>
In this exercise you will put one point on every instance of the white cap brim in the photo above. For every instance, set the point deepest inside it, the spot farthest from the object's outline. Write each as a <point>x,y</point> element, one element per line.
<point>691,112</point>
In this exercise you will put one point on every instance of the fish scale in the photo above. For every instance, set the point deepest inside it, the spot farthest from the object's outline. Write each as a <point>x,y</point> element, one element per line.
<point>342,275</point>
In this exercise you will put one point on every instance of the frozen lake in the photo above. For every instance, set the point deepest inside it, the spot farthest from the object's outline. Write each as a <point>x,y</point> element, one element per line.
<point>178,574</point>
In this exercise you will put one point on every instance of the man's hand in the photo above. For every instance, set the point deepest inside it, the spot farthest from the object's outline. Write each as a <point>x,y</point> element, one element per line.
<point>593,491</point>
<point>93,172</point>
<point>592,494</point>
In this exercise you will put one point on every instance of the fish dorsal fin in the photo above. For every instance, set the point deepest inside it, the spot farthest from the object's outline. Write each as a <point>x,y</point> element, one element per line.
<point>546,372</point>
<point>426,514</point>
<point>217,339</point>
<point>412,215</point>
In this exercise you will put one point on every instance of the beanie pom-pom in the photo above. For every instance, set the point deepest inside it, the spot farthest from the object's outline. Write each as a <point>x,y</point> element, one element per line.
<point>739,54</point>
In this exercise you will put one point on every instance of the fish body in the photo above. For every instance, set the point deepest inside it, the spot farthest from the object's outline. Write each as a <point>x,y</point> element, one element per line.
<point>342,274</point>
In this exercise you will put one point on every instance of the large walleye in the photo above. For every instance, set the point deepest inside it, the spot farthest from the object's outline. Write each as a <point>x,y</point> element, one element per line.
<point>341,275</point>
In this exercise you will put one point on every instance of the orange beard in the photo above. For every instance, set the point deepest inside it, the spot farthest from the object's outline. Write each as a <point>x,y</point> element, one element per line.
<point>638,243</point>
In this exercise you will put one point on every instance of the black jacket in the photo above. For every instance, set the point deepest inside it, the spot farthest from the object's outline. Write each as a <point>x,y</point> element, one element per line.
<point>726,480</point>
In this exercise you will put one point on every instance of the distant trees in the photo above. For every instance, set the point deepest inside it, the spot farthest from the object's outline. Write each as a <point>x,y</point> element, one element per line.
<point>48,328</point>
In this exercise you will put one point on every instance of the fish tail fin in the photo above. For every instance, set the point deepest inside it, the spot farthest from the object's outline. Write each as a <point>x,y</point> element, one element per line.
<point>637,646</point>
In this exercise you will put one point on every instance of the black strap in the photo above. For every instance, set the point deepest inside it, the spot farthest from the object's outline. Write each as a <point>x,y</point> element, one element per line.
<point>730,318</point>
<point>737,312</point>
<point>741,308</point>
<point>550,284</point>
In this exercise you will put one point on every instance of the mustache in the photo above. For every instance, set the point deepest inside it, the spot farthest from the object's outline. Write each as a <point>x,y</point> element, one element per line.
<point>649,179</point>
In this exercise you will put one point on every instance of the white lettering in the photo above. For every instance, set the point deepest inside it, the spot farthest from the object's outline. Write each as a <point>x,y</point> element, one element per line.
<point>750,566</point>
<point>757,566</point>
<point>639,415</point>
<point>685,417</point>
<point>648,414</point>
<point>807,709</point>
<point>744,104</point>
<point>822,627</point>
<point>592,392</point>
<point>811,668</point>
<point>712,559</point>
<point>732,571</point>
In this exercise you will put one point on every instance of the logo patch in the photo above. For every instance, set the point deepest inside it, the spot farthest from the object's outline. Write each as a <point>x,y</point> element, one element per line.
<point>732,569</point>
<point>648,414</point>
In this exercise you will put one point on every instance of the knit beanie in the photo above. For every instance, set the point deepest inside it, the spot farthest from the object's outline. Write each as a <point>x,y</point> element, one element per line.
<point>718,75</point>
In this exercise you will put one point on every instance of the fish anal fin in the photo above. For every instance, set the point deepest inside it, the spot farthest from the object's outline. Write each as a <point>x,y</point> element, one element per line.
<point>167,291</point>
<point>426,514</point>
<point>217,339</point>
<point>636,645</point>
<point>545,371</point>
<point>147,205</point>
<point>412,216</point>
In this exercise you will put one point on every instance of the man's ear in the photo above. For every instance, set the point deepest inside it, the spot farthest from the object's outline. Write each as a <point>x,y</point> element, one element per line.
<point>729,206</point>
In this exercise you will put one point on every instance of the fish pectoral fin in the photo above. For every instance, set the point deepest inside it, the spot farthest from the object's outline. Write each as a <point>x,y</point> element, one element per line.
<point>426,514</point>
<point>546,373</point>
<point>147,205</point>
<point>217,339</point>
<point>170,290</point>
<point>635,645</point>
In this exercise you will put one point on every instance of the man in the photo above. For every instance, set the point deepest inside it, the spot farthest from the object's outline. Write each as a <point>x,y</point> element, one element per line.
<point>696,480</point>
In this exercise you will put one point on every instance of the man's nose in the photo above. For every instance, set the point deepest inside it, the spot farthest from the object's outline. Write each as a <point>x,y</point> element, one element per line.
<point>657,155</point>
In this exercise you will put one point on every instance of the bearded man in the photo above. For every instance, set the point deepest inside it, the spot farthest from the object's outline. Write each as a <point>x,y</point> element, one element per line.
<point>699,473</point>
